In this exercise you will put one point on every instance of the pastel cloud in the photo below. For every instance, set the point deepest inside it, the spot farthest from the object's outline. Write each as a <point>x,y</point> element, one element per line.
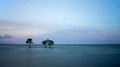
<point>87,35</point>
<point>76,36</point>
<point>26,29</point>
<point>13,32</point>
<point>5,36</point>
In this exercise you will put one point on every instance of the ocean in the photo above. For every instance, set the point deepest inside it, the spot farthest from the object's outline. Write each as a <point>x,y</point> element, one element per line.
<point>64,55</point>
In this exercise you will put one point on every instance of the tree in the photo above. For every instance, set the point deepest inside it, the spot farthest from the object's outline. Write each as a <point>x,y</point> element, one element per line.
<point>44,43</point>
<point>29,42</point>
<point>48,43</point>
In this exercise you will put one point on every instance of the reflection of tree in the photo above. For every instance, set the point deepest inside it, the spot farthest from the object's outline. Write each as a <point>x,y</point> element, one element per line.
<point>29,42</point>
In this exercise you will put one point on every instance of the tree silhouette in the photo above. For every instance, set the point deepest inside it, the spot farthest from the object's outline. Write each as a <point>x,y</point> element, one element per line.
<point>44,43</point>
<point>48,42</point>
<point>29,42</point>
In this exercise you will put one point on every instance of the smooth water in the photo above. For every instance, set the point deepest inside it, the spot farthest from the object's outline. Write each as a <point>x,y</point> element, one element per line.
<point>60,56</point>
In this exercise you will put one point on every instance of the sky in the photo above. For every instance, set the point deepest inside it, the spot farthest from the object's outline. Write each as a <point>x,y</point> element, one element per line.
<point>64,21</point>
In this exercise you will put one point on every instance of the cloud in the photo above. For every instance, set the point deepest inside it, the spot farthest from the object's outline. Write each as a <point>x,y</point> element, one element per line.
<point>8,25</point>
<point>5,36</point>
<point>86,35</point>
<point>75,35</point>
<point>27,28</point>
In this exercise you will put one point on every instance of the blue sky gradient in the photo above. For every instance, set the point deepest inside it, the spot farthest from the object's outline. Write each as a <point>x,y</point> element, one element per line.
<point>64,21</point>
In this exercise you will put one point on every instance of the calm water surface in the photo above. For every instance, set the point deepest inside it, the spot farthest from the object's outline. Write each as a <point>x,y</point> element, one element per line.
<point>60,56</point>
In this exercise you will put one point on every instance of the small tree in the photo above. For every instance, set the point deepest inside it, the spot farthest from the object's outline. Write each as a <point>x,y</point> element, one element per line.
<point>50,43</point>
<point>29,42</point>
<point>44,43</point>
